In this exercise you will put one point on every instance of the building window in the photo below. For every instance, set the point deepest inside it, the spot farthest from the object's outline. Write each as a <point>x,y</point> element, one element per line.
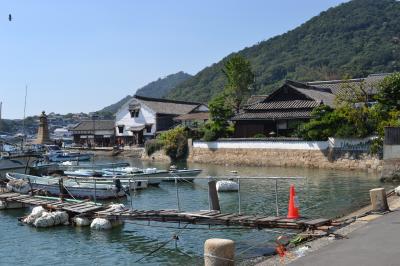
<point>120,129</point>
<point>134,113</point>
<point>148,128</point>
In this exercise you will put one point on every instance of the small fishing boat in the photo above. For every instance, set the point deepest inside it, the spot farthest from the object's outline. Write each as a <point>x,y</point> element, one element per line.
<point>75,165</point>
<point>22,183</point>
<point>61,156</point>
<point>132,184</point>
<point>10,165</point>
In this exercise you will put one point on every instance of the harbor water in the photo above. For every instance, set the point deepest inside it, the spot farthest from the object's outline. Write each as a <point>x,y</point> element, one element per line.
<point>323,193</point>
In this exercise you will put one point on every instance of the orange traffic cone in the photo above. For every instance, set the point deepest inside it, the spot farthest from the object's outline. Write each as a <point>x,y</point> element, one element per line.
<point>293,210</point>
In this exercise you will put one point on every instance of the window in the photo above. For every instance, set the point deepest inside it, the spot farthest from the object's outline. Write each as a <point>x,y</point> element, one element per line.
<point>282,124</point>
<point>134,113</point>
<point>120,129</point>
<point>148,128</point>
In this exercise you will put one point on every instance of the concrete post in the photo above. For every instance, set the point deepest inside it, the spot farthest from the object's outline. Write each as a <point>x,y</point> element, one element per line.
<point>378,200</point>
<point>219,252</point>
<point>213,195</point>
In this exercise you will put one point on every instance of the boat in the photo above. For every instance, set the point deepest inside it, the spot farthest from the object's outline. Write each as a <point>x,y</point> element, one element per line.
<point>11,165</point>
<point>74,188</point>
<point>75,165</point>
<point>110,173</point>
<point>55,154</point>
<point>132,184</point>
<point>153,175</point>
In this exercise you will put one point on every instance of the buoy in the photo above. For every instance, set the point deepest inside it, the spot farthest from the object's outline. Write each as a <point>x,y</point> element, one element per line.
<point>293,210</point>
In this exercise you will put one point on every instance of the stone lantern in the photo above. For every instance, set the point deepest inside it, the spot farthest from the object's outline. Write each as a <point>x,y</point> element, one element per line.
<point>43,131</point>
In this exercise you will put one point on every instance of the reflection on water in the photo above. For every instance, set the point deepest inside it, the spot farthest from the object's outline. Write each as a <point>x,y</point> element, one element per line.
<point>323,193</point>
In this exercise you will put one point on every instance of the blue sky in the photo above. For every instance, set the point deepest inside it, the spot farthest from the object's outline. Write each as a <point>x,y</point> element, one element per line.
<point>83,55</point>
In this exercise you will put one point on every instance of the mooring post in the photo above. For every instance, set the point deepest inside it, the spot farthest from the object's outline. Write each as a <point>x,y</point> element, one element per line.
<point>61,188</point>
<point>276,198</point>
<point>219,252</point>
<point>177,194</point>
<point>213,195</point>
<point>239,198</point>
<point>95,190</point>
<point>378,200</point>
<point>130,195</point>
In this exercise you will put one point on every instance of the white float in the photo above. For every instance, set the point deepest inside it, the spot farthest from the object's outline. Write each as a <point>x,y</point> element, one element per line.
<point>227,186</point>
<point>49,219</point>
<point>101,224</point>
<point>81,221</point>
<point>35,214</point>
<point>19,186</point>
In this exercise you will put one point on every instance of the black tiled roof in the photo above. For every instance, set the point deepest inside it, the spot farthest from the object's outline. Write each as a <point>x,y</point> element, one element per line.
<point>295,104</point>
<point>87,125</point>
<point>273,115</point>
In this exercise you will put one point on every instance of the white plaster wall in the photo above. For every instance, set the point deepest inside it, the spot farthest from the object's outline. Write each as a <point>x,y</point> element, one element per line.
<point>391,152</point>
<point>286,145</point>
<point>123,117</point>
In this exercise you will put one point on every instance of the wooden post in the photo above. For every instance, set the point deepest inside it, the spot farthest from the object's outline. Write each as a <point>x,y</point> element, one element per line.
<point>378,200</point>
<point>61,188</point>
<point>213,195</point>
<point>219,252</point>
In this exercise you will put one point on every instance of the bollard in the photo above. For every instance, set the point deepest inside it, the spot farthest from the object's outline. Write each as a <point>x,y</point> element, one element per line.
<point>213,196</point>
<point>219,252</point>
<point>378,200</point>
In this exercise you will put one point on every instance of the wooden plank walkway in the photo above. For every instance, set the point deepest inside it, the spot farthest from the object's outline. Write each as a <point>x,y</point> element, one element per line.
<point>69,206</point>
<point>213,218</point>
<point>206,217</point>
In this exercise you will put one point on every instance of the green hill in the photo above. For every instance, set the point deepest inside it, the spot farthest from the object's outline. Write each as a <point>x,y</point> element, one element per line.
<point>155,89</point>
<point>356,38</point>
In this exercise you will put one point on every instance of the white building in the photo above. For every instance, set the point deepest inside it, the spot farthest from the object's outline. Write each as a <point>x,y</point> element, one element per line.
<point>142,118</point>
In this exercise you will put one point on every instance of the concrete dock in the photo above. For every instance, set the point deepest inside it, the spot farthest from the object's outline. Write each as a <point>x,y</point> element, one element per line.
<point>376,243</point>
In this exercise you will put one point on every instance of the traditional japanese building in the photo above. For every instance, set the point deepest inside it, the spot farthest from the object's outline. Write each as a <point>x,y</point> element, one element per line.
<point>281,112</point>
<point>142,118</point>
<point>99,133</point>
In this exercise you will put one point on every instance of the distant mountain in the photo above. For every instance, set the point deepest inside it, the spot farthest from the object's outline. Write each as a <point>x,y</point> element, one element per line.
<point>156,89</point>
<point>162,86</point>
<point>356,38</point>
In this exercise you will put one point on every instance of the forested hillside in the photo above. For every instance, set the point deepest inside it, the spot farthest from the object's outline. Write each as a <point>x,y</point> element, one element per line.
<point>355,38</point>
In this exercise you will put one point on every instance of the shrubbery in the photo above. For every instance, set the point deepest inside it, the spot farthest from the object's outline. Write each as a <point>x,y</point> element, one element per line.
<point>174,142</point>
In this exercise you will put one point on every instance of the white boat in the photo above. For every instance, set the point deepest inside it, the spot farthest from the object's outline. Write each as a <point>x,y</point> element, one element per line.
<point>75,188</point>
<point>227,186</point>
<point>55,154</point>
<point>75,165</point>
<point>110,174</point>
<point>132,184</point>
<point>10,165</point>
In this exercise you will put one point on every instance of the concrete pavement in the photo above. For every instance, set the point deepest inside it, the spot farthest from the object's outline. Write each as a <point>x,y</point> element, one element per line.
<point>375,243</point>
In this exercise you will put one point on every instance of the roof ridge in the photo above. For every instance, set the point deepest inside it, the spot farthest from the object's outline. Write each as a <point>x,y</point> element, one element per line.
<point>165,100</point>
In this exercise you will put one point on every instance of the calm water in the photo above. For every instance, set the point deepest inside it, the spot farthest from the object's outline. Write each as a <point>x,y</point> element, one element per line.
<point>324,193</point>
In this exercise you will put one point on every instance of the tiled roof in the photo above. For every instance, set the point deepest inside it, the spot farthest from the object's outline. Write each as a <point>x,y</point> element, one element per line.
<point>87,125</point>
<point>273,115</point>
<point>164,106</point>
<point>273,105</point>
<point>193,116</point>
<point>256,99</point>
<point>370,83</point>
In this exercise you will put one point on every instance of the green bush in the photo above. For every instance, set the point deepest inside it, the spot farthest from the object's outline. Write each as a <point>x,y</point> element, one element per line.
<point>175,142</point>
<point>153,145</point>
<point>259,136</point>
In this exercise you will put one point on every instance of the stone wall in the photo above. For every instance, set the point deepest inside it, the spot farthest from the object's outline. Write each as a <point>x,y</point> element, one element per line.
<point>158,156</point>
<point>326,159</point>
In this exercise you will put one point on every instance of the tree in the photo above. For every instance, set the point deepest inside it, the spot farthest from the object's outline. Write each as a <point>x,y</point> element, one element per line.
<point>221,112</point>
<point>389,93</point>
<point>240,76</point>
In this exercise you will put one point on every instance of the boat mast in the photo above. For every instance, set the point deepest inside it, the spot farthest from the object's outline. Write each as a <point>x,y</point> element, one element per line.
<point>23,121</point>
<point>1,106</point>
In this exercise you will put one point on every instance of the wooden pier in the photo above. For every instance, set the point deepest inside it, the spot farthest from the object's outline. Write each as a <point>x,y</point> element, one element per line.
<point>93,210</point>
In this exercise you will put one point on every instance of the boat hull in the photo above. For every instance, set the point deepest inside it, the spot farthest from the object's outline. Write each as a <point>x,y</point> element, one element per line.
<point>84,190</point>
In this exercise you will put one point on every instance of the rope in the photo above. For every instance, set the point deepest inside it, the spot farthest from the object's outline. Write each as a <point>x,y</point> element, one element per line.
<point>204,229</point>
<point>69,192</point>
<point>174,237</point>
